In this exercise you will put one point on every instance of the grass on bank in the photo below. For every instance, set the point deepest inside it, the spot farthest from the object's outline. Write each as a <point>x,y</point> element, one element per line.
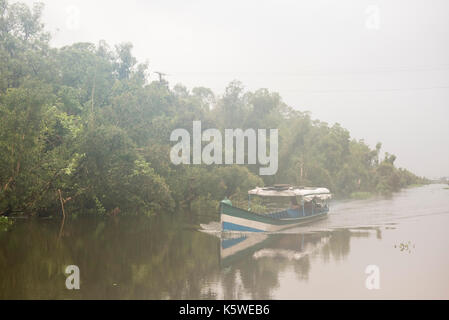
<point>361,195</point>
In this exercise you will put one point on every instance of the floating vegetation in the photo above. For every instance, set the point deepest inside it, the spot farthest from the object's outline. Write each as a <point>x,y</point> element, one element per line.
<point>405,246</point>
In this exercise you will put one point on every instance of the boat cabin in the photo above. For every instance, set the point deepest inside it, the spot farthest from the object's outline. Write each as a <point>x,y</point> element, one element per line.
<point>285,201</point>
<point>275,208</point>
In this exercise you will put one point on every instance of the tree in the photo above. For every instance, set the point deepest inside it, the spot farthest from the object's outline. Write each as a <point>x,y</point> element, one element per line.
<point>83,120</point>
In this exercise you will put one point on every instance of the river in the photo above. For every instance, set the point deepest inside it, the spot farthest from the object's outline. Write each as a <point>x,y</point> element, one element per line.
<point>380,248</point>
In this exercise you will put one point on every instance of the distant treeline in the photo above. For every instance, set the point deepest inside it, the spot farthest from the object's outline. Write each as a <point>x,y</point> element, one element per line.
<point>83,122</point>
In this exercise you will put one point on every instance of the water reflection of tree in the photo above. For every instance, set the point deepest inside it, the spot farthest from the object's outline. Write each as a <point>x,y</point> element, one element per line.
<point>302,268</point>
<point>133,258</point>
<point>259,277</point>
<point>338,246</point>
<point>140,258</point>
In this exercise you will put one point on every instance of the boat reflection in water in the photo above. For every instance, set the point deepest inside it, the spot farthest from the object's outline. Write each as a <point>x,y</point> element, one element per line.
<point>260,265</point>
<point>162,257</point>
<point>139,258</point>
<point>257,245</point>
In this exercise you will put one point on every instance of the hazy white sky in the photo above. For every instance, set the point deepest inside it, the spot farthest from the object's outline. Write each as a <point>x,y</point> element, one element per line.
<point>379,68</point>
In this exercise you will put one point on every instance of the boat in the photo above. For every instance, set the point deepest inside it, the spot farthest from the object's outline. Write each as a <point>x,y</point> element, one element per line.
<point>305,205</point>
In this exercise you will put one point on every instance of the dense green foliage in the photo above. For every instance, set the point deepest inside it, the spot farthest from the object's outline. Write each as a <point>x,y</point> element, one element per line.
<point>84,120</point>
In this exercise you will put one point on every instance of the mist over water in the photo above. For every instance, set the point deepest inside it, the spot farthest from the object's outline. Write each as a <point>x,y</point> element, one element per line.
<point>161,258</point>
<point>94,95</point>
<point>406,205</point>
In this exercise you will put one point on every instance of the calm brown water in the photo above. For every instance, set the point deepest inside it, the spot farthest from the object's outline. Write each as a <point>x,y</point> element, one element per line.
<point>405,236</point>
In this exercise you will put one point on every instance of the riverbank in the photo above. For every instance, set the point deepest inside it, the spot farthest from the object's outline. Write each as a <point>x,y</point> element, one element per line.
<point>363,195</point>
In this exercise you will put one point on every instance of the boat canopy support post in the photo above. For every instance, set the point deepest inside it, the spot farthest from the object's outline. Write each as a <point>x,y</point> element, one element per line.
<point>302,203</point>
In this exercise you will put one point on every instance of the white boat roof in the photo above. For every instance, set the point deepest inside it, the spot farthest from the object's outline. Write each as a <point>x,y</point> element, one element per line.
<point>288,192</point>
